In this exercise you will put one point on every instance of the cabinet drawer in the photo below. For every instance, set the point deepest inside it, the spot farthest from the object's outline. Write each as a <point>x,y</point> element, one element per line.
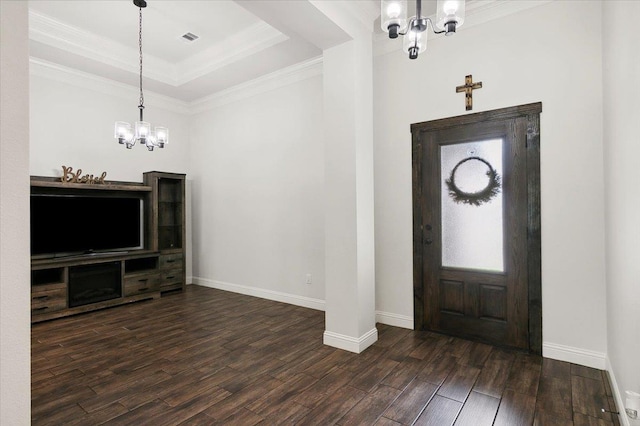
<point>171,286</point>
<point>171,278</point>
<point>172,261</point>
<point>141,284</point>
<point>48,298</point>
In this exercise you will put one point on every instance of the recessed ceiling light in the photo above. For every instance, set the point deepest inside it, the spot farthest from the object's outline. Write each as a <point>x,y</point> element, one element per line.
<point>189,37</point>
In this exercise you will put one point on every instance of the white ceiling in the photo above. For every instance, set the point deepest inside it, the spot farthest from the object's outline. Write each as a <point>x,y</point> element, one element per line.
<point>239,40</point>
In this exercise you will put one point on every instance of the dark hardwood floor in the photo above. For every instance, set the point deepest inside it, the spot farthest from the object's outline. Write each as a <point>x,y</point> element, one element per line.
<point>207,357</point>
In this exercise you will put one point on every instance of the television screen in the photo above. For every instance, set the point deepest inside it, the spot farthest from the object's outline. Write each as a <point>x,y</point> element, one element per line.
<point>63,224</point>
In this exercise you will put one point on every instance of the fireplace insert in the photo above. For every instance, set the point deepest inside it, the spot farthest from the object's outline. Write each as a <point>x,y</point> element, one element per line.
<point>94,283</point>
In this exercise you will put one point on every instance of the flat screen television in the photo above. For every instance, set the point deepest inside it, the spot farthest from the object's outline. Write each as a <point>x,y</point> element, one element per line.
<point>66,225</point>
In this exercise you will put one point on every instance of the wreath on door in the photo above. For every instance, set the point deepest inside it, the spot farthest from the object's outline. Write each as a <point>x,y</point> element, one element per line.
<point>479,197</point>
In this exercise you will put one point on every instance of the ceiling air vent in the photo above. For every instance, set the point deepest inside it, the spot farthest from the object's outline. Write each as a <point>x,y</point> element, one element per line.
<point>189,37</point>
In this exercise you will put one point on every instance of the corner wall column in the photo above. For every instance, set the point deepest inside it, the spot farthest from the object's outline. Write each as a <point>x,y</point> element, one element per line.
<point>349,208</point>
<point>15,297</point>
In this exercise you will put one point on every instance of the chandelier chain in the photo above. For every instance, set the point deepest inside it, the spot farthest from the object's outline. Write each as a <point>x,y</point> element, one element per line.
<point>140,132</point>
<point>140,45</point>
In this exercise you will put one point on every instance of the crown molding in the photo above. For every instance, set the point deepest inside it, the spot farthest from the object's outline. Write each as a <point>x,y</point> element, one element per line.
<point>268,82</point>
<point>478,12</point>
<point>51,32</point>
<point>488,10</point>
<point>354,17</point>
<point>245,43</point>
<point>265,83</point>
<point>71,39</point>
<point>367,11</point>
<point>73,77</point>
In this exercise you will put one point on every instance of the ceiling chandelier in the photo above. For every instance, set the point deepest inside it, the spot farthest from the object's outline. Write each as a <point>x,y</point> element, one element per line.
<point>450,15</point>
<point>142,130</point>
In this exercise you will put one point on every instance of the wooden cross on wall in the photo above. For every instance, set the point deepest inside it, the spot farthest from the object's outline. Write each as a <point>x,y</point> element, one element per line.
<point>468,88</point>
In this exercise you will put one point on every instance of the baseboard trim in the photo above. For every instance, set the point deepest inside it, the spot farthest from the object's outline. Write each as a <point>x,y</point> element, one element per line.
<point>574,355</point>
<point>616,394</point>
<point>394,320</point>
<point>292,299</point>
<point>349,343</point>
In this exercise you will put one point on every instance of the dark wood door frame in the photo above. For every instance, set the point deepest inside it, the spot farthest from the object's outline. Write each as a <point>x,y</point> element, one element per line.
<point>532,114</point>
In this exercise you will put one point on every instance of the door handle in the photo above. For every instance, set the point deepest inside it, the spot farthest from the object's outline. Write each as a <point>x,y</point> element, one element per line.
<point>427,239</point>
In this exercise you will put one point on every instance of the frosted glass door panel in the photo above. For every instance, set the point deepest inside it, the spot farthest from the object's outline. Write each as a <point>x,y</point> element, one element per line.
<point>472,234</point>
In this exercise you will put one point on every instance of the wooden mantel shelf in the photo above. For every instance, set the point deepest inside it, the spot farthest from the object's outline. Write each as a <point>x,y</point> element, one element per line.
<point>51,182</point>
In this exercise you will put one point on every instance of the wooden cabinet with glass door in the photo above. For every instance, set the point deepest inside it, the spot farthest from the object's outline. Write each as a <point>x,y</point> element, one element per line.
<point>166,226</point>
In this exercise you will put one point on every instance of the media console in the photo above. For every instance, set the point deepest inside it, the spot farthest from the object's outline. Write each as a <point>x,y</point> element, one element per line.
<point>73,283</point>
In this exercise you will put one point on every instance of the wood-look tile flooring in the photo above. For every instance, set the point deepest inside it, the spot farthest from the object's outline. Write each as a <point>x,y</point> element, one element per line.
<point>206,357</point>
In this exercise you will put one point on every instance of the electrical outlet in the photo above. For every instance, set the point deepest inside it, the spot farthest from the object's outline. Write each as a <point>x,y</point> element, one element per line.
<point>308,279</point>
<point>632,404</point>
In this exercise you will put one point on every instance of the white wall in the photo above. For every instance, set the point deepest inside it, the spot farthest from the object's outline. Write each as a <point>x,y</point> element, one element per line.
<point>621,63</point>
<point>256,165</point>
<point>258,174</point>
<point>15,399</point>
<point>72,119</point>
<point>552,54</point>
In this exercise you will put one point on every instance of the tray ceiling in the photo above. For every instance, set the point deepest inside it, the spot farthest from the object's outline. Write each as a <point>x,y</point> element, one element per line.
<point>237,40</point>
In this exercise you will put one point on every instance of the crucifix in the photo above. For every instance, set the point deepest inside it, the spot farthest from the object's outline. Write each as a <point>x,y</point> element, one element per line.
<point>468,88</point>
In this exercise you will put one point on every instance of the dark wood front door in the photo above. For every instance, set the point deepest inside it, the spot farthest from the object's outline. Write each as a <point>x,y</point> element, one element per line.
<point>476,225</point>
